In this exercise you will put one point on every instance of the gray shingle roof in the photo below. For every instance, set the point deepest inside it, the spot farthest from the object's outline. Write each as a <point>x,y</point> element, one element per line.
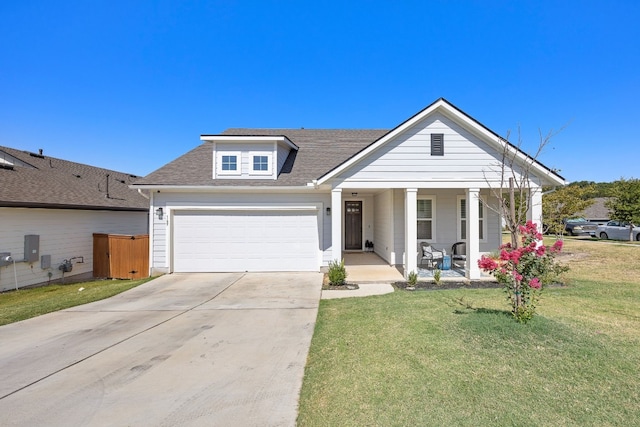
<point>320,150</point>
<point>598,210</point>
<point>48,182</point>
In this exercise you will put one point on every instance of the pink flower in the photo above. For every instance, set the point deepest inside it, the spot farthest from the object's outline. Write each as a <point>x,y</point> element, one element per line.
<point>505,255</point>
<point>515,256</point>
<point>535,283</point>
<point>557,246</point>
<point>486,263</point>
<point>541,250</point>
<point>517,276</point>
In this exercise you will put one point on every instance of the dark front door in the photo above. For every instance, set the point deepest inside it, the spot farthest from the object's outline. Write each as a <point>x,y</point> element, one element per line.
<point>353,225</point>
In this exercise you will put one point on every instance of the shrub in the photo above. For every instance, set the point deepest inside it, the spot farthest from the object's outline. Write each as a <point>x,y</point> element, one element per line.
<point>436,275</point>
<point>525,271</point>
<point>337,273</point>
<point>412,279</point>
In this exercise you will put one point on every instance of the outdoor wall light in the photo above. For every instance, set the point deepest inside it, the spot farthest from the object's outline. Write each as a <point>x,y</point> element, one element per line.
<point>354,194</point>
<point>160,213</point>
<point>328,211</point>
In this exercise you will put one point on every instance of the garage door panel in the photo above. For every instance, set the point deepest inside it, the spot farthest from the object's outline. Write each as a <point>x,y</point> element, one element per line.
<point>212,241</point>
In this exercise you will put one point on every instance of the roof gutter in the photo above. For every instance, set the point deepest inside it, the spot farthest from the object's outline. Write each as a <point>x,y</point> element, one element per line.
<point>72,207</point>
<point>208,188</point>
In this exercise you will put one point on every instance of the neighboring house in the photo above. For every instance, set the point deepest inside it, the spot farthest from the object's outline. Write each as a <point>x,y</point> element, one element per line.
<point>49,210</point>
<point>295,199</point>
<point>597,212</point>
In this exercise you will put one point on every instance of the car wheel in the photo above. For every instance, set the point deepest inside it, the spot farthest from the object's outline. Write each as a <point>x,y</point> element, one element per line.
<point>603,235</point>
<point>638,237</point>
<point>569,232</point>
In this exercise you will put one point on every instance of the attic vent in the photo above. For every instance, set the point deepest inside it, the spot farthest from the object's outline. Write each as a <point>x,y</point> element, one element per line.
<point>437,144</point>
<point>7,167</point>
<point>77,176</point>
<point>40,156</point>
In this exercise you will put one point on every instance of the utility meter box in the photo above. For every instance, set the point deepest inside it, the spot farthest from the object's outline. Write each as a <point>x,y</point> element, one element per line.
<point>31,248</point>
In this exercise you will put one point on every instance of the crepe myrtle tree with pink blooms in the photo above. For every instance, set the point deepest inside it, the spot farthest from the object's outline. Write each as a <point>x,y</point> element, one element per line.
<point>525,270</point>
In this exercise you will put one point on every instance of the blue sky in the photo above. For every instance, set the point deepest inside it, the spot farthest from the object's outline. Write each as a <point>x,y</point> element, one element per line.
<point>131,85</point>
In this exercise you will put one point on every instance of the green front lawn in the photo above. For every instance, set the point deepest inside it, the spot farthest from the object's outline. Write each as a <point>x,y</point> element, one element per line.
<point>456,357</point>
<point>26,303</point>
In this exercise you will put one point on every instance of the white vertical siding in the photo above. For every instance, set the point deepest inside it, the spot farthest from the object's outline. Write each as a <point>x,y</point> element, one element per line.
<point>494,225</point>
<point>63,234</point>
<point>158,236</point>
<point>398,226</point>
<point>383,226</point>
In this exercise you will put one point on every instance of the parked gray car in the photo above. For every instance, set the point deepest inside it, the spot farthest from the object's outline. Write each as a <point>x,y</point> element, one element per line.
<point>617,230</point>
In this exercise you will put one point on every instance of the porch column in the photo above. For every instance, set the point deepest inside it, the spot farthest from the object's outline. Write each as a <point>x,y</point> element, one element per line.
<point>410,230</point>
<point>336,224</point>
<point>473,234</point>
<point>535,207</point>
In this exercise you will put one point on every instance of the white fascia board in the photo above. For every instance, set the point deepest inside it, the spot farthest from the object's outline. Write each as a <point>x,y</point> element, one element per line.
<point>226,189</point>
<point>245,206</point>
<point>421,184</point>
<point>239,138</point>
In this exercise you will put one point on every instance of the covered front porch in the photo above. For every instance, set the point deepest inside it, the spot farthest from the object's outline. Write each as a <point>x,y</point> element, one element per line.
<point>393,222</point>
<point>368,267</point>
<point>373,230</point>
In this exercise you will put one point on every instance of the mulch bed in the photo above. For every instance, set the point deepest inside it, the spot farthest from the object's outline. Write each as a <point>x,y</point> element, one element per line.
<point>345,287</point>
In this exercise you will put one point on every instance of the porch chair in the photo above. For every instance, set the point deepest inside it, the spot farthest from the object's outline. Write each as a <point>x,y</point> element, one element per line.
<point>459,253</point>
<point>430,254</point>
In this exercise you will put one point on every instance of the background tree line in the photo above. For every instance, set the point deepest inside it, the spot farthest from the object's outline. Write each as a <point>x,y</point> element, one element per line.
<point>569,201</point>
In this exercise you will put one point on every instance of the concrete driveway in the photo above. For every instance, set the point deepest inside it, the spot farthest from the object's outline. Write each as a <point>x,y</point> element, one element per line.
<point>183,349</point>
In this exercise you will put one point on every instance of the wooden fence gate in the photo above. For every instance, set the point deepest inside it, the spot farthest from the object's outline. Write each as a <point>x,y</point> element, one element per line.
<point>118,256</point>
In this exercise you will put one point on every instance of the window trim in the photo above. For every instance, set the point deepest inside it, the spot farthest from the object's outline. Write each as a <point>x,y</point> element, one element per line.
<point>268,155</point>
<point>483,218</point>
<point>434,229</point>
<point>238,156</point>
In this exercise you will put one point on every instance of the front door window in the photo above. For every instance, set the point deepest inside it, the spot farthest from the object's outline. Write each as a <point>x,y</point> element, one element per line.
<point>353,225</point>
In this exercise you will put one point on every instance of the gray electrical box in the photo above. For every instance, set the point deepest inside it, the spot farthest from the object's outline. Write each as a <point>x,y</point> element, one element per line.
<point>31,248</point>
<point>3,256</point>
<point>45,262</point>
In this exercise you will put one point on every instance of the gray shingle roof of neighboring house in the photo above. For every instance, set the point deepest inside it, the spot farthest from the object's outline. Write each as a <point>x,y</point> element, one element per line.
<point>597,212</point>
<point>320,150</point>
<point>38,181</point>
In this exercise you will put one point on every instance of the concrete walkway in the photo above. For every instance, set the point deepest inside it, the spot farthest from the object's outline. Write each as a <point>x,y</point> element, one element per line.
<point>181,350</point>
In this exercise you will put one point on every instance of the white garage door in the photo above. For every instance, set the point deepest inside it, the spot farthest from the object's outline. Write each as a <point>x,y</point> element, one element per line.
<point>210,241</point>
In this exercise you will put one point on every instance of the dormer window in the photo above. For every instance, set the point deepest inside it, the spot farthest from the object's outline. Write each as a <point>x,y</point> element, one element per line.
<point>229,163</point>
<point>260,162</point>
<point>249,157</point>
